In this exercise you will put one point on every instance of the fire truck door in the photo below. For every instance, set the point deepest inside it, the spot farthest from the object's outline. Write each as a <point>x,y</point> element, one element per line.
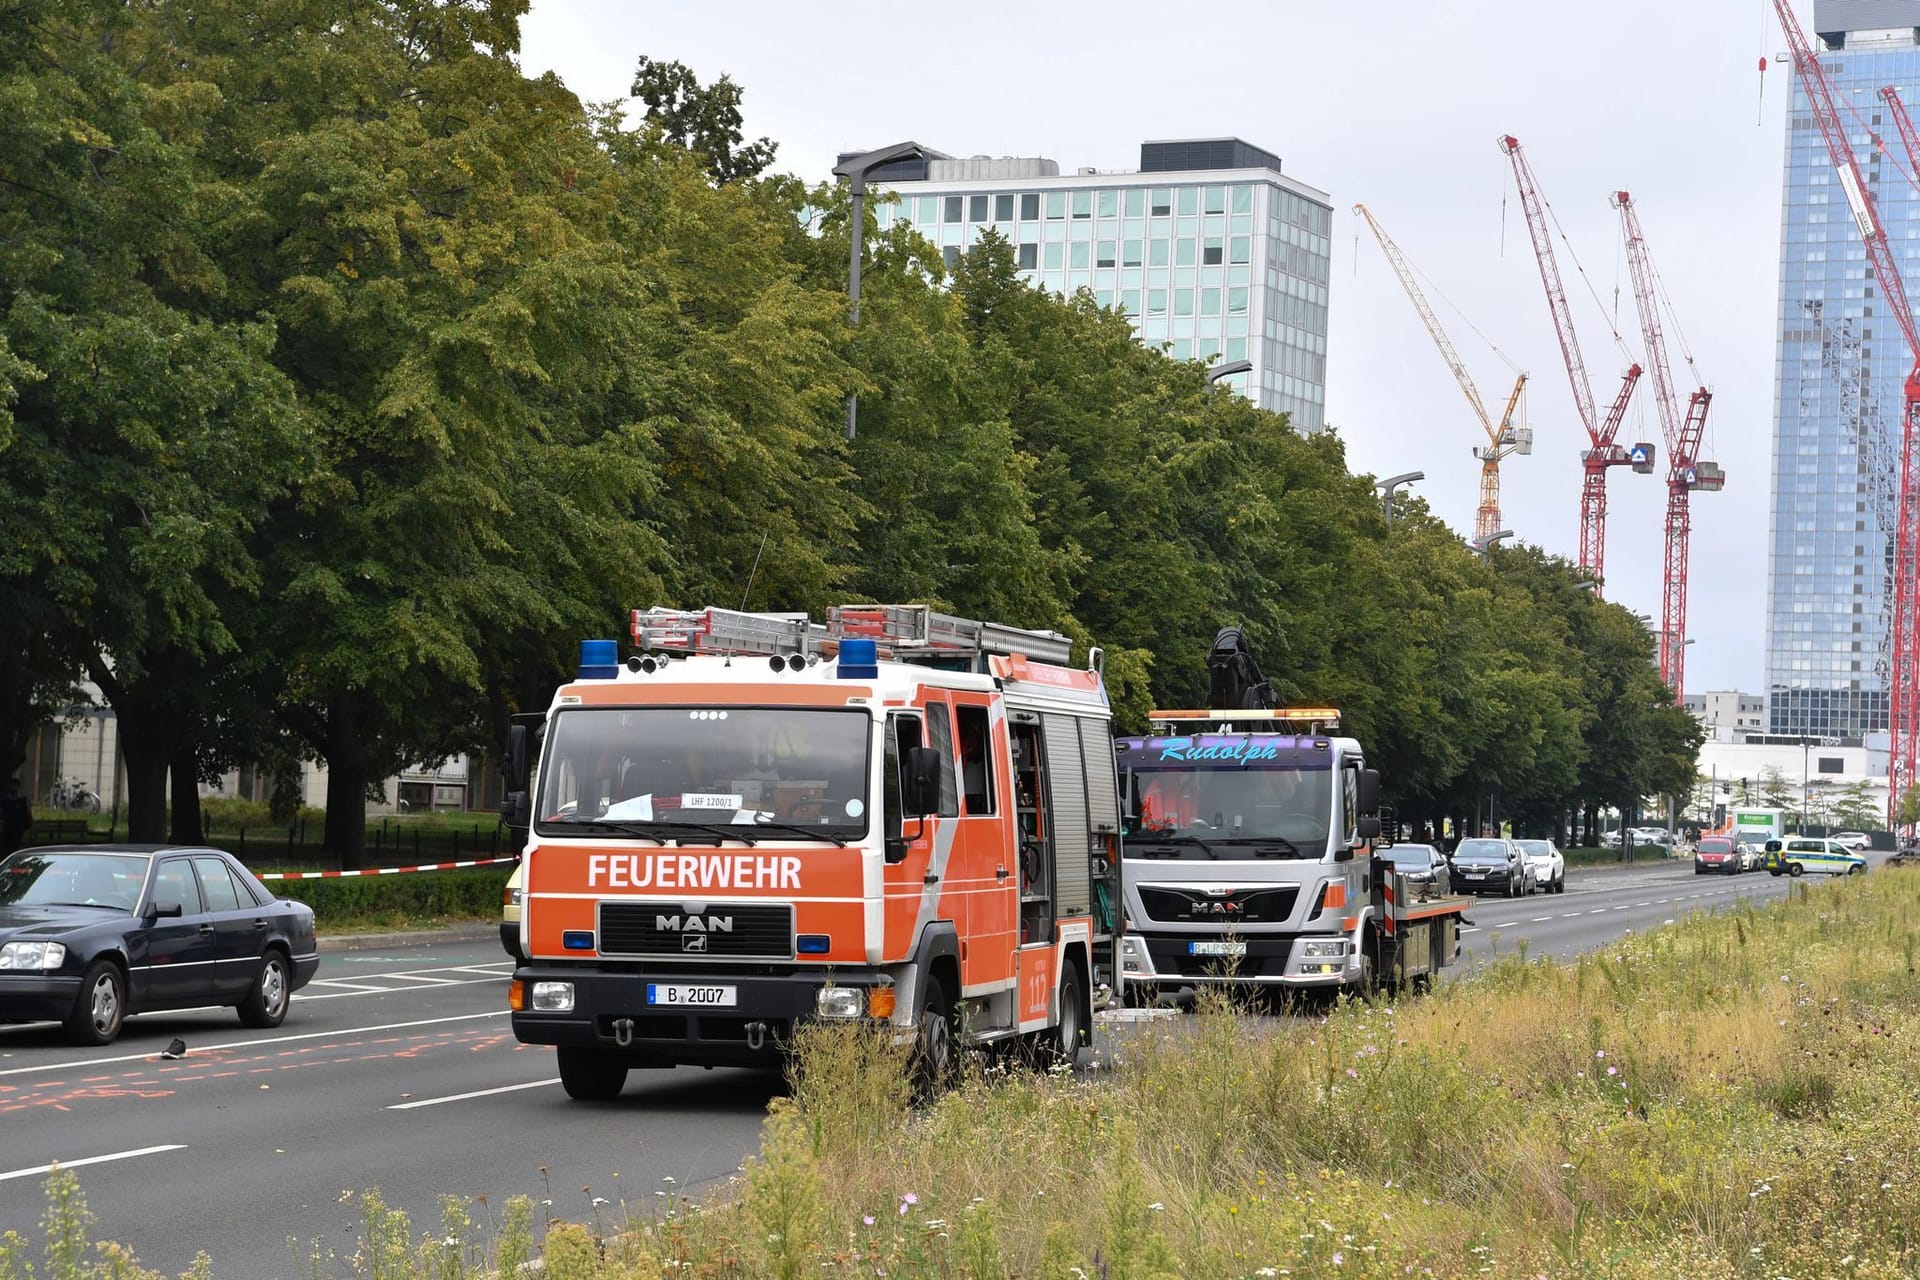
<point>1033,828</point>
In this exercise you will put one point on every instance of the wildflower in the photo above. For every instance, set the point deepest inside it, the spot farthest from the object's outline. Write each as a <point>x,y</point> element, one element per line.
<point>868,1219</point>
<point>1613,1071</point>
<point>1156,1206</point>
<point>1339,1259</point>
<point>1599,1053</point>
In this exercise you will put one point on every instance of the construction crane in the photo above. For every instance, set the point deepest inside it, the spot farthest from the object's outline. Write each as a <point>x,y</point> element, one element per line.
<point>1903,690</point>
<point>1601,451</point>
<point>1685,469</point>
<point>1502,441</point>
<point>1841,356</point>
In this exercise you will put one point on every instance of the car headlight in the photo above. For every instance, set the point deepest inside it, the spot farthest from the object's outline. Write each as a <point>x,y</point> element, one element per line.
<point>1323,950</point>
<point>37,956</point>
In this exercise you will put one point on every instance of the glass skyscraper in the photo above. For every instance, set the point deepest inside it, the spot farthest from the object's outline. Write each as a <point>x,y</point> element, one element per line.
<point>1842,362</point>
<point>1210,249</point>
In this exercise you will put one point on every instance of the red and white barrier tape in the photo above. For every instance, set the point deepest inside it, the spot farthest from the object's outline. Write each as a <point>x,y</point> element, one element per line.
<point>381,871</point>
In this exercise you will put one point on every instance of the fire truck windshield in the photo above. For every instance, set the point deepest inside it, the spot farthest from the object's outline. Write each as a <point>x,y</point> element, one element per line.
<point>1196,795</point>
<point>651,768</point>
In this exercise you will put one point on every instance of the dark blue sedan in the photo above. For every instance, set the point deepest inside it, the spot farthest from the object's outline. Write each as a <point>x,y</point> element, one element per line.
<point>90,934</point>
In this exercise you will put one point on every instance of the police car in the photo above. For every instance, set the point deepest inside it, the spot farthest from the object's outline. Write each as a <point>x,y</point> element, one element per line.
<point>1803,854</point>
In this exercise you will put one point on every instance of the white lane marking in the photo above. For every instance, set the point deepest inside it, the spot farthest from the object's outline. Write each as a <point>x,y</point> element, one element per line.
<point>1598,911</point>
<point>477,1093</point>
<point>1539,919</point>
<point>1472,928</point>
<point>393,991</point>
<point>255,1044</point>
<point>39,1169</point>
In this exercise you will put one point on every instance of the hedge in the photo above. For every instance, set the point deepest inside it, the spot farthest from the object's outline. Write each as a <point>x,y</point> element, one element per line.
<point>426,897</point>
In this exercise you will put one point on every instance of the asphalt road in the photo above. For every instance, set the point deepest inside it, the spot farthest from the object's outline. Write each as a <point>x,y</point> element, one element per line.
<point>397,1070</point>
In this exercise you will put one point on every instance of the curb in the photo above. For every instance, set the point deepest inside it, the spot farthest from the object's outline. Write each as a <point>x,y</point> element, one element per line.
<point>468,931</point>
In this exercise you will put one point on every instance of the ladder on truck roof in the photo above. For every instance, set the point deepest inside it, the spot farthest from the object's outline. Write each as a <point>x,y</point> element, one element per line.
<point>913,630</point>
<point>906,632</point>
<point>714,630</point>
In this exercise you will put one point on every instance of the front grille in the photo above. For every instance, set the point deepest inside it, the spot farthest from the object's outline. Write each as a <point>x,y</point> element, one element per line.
<point>1236,906</point>
<point>731,931</point>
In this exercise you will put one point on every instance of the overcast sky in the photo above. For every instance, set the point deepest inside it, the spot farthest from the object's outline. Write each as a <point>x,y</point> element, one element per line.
<point>1395,103</point>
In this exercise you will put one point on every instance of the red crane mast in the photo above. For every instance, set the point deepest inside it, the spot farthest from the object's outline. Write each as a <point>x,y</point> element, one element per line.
<point>1601,451</point>
<point>1685,471</point>
<point>1903,704</point>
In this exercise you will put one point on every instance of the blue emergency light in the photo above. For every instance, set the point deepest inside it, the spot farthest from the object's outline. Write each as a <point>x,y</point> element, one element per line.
<point>859,659</point>
<point>599,659</point>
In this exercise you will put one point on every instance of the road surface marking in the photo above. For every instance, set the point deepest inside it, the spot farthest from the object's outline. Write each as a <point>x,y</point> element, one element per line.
<point>434,985</point>
<point>1539,919</point>
<point>75,1164</point>
<point>253,1044</point>
<point>477,1093</point>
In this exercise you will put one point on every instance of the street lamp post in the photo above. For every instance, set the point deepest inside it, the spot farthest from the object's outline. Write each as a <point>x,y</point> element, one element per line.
<point>1806,781</point>
<point>1391,483</point>
<point>1481,546</point>
<point>1226,369</point>
<point>855,170</point>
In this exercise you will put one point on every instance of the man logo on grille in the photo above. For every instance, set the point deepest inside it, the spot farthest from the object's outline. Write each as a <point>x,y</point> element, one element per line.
<point>693,942</point>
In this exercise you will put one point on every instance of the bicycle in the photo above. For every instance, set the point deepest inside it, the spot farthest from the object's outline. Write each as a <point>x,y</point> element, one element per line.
<point>73,795</point>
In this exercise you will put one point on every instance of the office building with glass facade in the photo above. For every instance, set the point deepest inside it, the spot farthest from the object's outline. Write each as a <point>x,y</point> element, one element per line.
<point>1209,248</point>
<point>1842,362</point>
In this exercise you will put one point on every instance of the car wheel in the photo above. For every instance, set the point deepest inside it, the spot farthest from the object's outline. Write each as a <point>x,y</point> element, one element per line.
<point>1513,886</point>
<point>1061,1046</point>
<point>272,990</point>
<point>591,1075</point>
<point>101,1007</point>
<point>935,1061</point>
<point>1854,871</point>
<point>1795,870</point>
<point>1560,883</point>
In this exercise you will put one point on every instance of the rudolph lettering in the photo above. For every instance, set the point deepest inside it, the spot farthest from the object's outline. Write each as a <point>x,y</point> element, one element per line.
<point>692,871</point>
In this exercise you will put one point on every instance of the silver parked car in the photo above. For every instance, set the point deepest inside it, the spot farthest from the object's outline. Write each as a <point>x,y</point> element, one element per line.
<point>1422,865</point>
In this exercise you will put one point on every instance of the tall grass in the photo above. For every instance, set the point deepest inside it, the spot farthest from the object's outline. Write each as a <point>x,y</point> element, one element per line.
<point>1735,1096</point>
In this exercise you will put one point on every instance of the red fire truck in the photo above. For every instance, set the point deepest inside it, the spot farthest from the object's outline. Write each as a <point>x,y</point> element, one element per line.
<point>756,820</point>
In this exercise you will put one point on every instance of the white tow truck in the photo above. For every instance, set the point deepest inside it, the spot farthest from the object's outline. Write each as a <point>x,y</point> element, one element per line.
<point>1252,854</point>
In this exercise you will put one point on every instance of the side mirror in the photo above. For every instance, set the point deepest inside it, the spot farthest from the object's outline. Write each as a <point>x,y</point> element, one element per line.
<point>516,809</point>
<point>1370,792</point>
<point>921,794</point>
<point>163,910</point>
<point>516,762</point>
<point>1369,827</point>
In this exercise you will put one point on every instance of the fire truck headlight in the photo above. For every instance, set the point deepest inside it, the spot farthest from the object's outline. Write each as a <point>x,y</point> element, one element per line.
<point>839,1002</point>
<point>1323,950</point>
<point>553,997</point>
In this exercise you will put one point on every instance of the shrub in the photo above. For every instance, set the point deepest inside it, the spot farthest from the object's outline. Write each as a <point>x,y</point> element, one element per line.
<point>422,897</point>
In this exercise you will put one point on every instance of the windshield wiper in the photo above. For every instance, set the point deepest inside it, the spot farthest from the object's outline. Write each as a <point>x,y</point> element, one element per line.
<point>808,833</point>
<point>604,824</point>
<point>718,832</point>
<point>1281,843</point>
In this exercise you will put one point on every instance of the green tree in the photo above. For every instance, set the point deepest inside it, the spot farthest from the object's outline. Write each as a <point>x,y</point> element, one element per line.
<point>703,119</point>
<point>150,437</point>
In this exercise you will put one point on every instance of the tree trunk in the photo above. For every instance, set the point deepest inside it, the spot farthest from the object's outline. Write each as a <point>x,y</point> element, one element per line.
<point>146,782</point>
<point>346,783</point>
<point>184,775</point>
